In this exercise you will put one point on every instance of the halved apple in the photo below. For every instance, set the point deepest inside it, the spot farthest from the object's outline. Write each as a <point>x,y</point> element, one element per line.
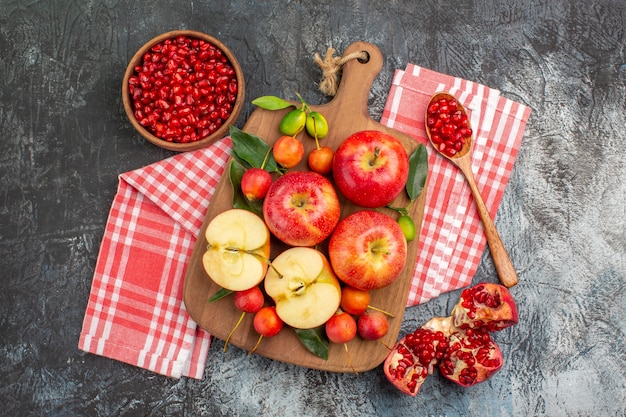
<point>304,287</point>
<point>238,249</point>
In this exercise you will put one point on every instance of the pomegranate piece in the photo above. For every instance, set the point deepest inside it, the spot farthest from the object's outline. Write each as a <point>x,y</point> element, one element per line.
<point>183,90</point>
<point>415,356</point>
<point>485,306</point>
<point>472,357</point>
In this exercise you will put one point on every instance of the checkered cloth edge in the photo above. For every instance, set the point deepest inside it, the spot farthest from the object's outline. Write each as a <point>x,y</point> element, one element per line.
<point>135,312</point>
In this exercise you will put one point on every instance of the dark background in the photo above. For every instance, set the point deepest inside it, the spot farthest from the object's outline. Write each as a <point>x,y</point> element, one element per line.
<point>64,139</point>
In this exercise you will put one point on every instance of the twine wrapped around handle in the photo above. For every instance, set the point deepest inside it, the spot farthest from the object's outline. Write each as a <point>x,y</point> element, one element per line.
<point>331,66</point>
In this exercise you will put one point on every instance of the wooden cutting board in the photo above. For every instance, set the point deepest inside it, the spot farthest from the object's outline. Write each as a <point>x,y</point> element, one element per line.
<point>346,113</point>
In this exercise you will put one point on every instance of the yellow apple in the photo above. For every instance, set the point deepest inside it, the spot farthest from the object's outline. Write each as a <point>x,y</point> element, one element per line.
<point>238,249</point>
<point>304,287</point>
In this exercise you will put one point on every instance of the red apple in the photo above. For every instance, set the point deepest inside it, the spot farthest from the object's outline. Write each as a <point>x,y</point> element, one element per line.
<point>370,168</point>
<point>301,208</point>
<point>367,250</point>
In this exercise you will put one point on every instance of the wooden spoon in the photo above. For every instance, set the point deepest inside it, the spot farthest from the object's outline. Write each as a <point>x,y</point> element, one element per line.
<point>462,159</point>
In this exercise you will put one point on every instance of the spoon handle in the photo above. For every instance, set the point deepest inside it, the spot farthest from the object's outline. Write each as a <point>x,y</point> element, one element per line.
<point>504,266</point>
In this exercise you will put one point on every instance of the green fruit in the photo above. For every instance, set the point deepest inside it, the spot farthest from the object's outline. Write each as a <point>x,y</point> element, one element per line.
<point>316,125</point>
<point>293,122</point>
<point>408,227</point>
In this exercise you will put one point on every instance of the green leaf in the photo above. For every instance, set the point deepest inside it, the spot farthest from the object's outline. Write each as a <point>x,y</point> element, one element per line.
<point>271,103</point>
<point>223,292</point>
<point>251,150</point>
<point>314,340</point>
<point>235,173</point>
<point>418,172</point>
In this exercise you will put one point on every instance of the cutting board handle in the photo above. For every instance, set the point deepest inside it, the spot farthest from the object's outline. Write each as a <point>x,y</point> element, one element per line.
<point>357,77</point>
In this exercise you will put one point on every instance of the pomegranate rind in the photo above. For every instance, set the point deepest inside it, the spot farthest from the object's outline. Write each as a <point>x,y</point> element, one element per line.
<point>409,381</point>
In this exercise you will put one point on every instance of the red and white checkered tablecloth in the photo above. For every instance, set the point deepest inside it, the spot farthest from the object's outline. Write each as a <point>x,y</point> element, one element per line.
<point>135,312</point>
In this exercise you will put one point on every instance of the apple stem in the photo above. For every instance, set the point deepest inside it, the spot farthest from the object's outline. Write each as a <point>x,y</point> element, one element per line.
<point>382,311</point>
<point>261,257</point>
<point>258,342</point>
<point>377,250</point>
<point>233,330</point>
<point>275,270</point>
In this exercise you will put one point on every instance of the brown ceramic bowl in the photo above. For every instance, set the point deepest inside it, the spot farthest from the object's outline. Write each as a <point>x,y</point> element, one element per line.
<point>206,133</point>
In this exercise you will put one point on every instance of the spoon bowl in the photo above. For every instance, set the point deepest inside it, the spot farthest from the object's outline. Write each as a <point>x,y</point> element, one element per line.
<point>452,145</point>
<point>451,136</point>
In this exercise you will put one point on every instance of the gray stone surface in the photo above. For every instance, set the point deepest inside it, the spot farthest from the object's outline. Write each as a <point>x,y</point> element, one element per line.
<point>64,139</point>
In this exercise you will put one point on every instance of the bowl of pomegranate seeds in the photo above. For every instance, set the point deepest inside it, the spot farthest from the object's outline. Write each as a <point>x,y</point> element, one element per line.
<point>183,90</point>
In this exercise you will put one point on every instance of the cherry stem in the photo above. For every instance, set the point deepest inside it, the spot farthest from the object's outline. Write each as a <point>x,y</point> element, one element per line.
<point>233,330</point>
<point>305,106</point>
<point>381,310</point>
<point>258,342</point>
<point>385,344</point>
<point>345,346</point>
<point>317,142</point>
<point>267,154</point>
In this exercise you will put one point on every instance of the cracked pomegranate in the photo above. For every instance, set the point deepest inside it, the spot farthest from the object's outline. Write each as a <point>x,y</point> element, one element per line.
<point>184,89</point>
<point>459,345</point>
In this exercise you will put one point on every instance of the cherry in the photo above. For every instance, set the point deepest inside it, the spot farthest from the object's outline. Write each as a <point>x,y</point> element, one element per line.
<point>267,324</point>
<point>288,151</point>
<point>407,225</point>
<point>341,328</point>
<point>316,125</point>
<point>372,325</point>
<point>255,183</point>
<point>320,160</point>
<point>293,122</point>
<point>248,301</point>
<point>355,301</point>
